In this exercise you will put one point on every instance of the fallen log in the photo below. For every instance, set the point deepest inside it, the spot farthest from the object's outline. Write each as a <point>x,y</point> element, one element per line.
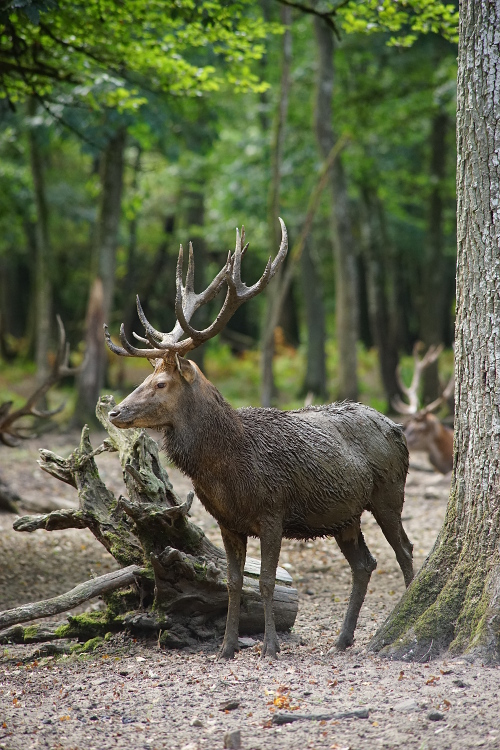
<point>85,591</point>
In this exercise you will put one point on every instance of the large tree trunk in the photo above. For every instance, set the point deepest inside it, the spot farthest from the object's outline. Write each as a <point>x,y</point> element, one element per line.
<point>92,375</point>
<point>267,385</point>
<point>42,307</point>
<point>454,603</point>
<point>180,591</point>
<point>346,298</point>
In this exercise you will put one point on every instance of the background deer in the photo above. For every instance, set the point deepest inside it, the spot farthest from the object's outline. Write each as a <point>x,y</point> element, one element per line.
<point>263,472</point>
<point>423,430</point>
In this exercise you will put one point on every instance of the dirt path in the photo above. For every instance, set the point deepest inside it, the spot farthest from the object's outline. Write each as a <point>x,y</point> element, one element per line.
<point>129,694</point>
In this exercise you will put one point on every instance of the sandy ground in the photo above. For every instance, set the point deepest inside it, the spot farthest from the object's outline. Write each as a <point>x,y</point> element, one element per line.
<point>130,694</point>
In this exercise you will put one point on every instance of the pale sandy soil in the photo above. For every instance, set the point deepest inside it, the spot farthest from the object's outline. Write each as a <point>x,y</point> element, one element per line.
<point>129,694</point>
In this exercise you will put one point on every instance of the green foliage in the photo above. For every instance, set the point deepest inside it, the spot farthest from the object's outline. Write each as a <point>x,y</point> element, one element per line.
<point>405,20</point>
<point>106,52</point>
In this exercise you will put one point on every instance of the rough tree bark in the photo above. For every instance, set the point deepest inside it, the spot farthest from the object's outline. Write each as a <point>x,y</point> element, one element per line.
<point>346,298</point>
<point>180,586</point>
<point>454,602</point>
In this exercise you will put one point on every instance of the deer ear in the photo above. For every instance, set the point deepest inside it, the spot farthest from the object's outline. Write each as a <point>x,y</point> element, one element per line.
<point>185,368</point>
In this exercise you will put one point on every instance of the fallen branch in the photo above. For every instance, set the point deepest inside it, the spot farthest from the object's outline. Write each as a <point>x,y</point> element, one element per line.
<point>82,593</point>
<point>360,713</point>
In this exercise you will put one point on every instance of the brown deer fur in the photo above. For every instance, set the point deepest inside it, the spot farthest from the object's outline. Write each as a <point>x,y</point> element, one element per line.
<point>424,432</point>
<point>273,474</point>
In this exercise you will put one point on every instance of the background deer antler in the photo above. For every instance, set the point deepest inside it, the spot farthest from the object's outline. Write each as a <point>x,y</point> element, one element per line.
<point>10,434</point>
<point>411,391</point>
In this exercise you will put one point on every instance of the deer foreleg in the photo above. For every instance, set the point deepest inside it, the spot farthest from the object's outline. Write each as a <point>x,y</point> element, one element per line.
<point>236,547</point>
<point>362,565</point>
<point>270,545</point>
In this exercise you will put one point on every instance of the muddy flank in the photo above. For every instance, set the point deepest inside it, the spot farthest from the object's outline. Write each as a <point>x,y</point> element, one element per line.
<point>119,692</point>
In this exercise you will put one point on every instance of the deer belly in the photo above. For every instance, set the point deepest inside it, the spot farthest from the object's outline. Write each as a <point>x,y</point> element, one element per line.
<point>322,521</point>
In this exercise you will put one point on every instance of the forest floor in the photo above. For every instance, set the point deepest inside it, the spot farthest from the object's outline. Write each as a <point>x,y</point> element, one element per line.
<point>129,694</point>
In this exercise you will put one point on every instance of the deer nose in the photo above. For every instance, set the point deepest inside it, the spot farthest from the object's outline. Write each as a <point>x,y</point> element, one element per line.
<point>114,413</point>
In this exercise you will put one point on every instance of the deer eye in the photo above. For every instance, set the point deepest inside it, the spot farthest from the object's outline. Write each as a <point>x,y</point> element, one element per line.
<point>161,385</point>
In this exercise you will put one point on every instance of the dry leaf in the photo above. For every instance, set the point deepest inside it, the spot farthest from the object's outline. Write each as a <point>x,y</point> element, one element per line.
<point>401,676</point>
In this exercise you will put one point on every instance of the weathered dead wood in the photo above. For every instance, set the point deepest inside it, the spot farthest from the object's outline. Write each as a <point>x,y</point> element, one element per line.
<point>117,579</point>
<point>183,590</point>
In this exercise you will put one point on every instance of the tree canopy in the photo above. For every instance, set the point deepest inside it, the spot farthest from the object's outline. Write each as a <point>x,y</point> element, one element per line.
<point>108,51</point>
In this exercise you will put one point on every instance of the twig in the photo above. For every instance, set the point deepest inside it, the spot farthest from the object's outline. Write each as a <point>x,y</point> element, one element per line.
<point>81,593</point>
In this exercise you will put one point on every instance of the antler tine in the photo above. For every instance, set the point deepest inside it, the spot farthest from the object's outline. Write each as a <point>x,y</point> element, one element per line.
<point>400,406</point>
<point>237,291</point>
<point>187,302</point>
<point>443,397</point>
<point>153,336</point>
<point>410,392</point>
<point>190,271</point>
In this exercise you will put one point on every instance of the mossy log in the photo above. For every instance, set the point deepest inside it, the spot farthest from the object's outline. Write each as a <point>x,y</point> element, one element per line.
<point>180,576</point>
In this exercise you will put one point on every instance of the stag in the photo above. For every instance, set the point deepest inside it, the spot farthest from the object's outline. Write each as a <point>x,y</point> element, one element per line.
<point>263,472</point>
<point>423,430</point>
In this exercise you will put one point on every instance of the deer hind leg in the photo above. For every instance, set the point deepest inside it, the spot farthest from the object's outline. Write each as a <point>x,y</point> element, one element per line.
<point>389,520</point>
<point>353,546</point>
<point>270,546</point>
<point>236,547</point>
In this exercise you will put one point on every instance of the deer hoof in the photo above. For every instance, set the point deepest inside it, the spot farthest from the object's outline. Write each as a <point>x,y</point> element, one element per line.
<point>344,641</point>
<point>227,651</point>
<point>270,649</point>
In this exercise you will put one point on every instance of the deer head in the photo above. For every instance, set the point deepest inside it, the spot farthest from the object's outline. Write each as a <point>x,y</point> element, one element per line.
<point>165,395</point>
<point>423,430</point>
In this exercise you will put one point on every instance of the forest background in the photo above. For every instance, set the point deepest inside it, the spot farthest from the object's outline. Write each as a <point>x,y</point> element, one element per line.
<point>126,130</point>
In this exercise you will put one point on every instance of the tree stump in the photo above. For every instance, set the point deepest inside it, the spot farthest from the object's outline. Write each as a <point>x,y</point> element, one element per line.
<point>179,588</point>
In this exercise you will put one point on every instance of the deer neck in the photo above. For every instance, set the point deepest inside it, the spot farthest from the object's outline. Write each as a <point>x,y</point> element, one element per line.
<point>441,449</point>
<point>206,431</point>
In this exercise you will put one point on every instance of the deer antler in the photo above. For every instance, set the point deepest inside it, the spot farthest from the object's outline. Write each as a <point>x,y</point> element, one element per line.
<point>187,302</point>
<point>9,435</point>
<point>411,391</point>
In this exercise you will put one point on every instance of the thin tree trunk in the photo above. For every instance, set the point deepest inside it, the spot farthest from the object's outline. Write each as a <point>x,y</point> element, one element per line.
<point>315,379</point>
<point>193,202</point>
<point>43,253</point>
<point>433,295</point>
<point>130,283</point>
<point>344,254</point>
<point>267,386</point>
<point>375,246</point>
<point>92,374</point>
<point>454,603</point>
